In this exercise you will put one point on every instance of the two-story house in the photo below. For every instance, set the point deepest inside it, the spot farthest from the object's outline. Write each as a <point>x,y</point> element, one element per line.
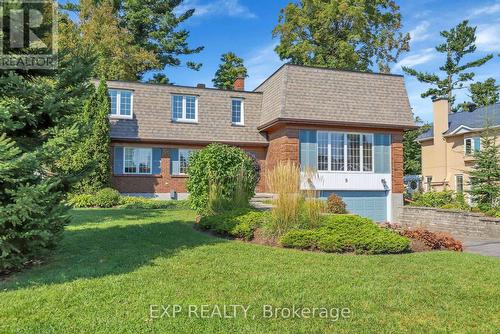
<point>448,146</point>
<point>346,125</point>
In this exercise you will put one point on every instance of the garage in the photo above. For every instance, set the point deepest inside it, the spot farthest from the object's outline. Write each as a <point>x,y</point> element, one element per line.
<point>371,204</point>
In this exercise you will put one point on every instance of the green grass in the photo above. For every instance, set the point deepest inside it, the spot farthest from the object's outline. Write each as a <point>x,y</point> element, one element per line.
<point>113,263</point>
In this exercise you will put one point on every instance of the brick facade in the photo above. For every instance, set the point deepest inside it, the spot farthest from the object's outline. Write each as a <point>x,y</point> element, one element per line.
<point>165,182</point>
<point>283,146</point>
<point>397,164</point>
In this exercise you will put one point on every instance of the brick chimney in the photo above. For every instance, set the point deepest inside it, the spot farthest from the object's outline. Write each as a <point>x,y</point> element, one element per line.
<point>239,83</point>
<point>200,85</point>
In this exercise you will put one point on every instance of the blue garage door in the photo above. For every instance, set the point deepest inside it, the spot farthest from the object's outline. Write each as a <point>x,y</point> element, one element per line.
<point>371,204</point>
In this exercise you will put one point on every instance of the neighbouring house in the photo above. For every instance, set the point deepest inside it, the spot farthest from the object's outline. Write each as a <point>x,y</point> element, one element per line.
<point>346,125</point>
<point>448,146</point>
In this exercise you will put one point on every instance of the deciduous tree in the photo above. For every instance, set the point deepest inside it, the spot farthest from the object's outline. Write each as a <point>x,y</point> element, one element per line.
<point>343,34</point>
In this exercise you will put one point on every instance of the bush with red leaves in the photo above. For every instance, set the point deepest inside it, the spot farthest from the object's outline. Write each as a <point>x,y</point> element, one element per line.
<point>434,240</point>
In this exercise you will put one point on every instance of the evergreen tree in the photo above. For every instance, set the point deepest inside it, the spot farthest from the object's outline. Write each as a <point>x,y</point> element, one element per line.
<point>40,112</point>
<point>459,42</point>
<point>160,78</point>
<point>485,175</point>
<point>129,37</point>
<point>95,150</point>
<point>343,34</point>
<point>229,70</point>
<point>412,151</point>
<point>484,93</point>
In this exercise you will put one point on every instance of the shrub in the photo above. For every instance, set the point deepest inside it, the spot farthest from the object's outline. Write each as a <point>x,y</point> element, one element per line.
<point>434,240</point>
<point>284,180</point>
<point>335,204</point>
<point>31,224</point>
<point>441,199</point>
<point>434,199</point>
<point>81,201</point>
<point>347,233</point>
<point>239,223</point>
<point>228,171</point>
<point>128,202</point>
<point>107,198</point>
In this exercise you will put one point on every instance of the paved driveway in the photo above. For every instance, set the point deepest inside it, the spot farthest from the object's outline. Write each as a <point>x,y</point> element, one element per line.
<point>489,247</point>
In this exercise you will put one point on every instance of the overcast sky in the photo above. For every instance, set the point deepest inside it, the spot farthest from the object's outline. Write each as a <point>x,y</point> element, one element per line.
<point>245,26</point>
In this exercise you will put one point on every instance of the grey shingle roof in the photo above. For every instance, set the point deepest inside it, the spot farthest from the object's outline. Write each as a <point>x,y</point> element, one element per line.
<point>292,92</point>
<point>152,115</point>
<point>302,92</point>
<point>477,119</point>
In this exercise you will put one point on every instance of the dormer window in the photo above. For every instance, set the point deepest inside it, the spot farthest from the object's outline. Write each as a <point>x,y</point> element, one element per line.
<point>237,112</point>
<point>185,108</point>
<point>121,103</point>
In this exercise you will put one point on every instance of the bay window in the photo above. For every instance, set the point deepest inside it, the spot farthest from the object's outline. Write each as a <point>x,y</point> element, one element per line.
<point>137,160</point>
<point>351,152</point>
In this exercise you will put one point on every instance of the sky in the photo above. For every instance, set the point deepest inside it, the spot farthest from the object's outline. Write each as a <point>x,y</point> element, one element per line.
<point>245,27</point>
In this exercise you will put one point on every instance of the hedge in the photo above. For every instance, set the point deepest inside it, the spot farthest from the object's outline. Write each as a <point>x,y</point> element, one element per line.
<point>347,233</point>
<point>240,223</point>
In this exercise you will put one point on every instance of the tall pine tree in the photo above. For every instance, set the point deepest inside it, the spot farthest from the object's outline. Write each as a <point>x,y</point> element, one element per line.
<point>459,43</point>
<point>230,69</point>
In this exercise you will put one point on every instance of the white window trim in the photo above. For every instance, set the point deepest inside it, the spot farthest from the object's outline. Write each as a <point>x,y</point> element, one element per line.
<point>150,160</point>
<point>242,118</point>
<point>183,119</point>
<point>118,104</point>
<point>372,171</point>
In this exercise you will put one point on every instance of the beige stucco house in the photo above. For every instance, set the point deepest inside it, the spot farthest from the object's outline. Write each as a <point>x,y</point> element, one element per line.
<point>448,146</point>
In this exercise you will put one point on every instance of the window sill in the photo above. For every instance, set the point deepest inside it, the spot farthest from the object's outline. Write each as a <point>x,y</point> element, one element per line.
<point>184,121</point>
<point>138,175</point>
<point>238,125</point>
<point>120,117</point>
<point>179,176</point>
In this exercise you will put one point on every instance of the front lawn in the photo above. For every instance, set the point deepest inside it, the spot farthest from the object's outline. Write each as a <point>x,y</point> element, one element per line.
<point>114,263</point>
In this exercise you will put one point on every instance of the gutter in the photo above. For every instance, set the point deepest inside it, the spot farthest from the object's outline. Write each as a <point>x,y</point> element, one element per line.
<point>299,121</point>
<point>184,141</point>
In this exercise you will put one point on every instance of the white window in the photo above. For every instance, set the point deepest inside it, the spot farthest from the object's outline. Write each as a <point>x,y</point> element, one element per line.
<point>121,103</point>
<point>184,155</point>
<point>184,108</point>
<point>237,112</point>
<point>137,160</point>
<point>428,183</point>
<point>345,152</point>
<point>459,183</point>
<point>469,145</point>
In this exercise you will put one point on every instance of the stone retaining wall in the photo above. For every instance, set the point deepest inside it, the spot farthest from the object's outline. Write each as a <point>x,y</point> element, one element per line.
<point>458,223</point>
